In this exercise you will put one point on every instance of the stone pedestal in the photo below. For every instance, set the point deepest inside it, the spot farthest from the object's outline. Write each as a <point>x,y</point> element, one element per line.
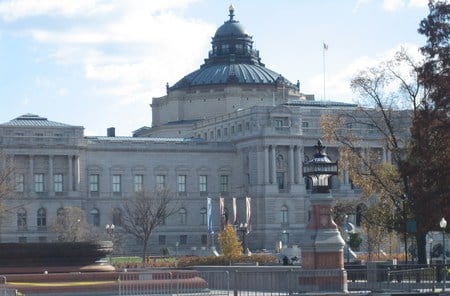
<point>323,249</point>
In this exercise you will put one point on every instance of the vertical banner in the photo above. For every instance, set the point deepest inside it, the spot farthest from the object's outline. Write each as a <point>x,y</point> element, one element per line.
<point>222,212</point>
<point>234,211</point>
<point>248,213</point>
<point>209,215</point>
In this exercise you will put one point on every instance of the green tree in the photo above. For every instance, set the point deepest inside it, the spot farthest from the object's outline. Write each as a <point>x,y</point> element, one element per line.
<point>427,169</point>
<point>229,242</point>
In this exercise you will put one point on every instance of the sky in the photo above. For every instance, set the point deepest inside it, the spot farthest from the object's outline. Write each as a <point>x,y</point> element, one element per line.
<point>99,63</point>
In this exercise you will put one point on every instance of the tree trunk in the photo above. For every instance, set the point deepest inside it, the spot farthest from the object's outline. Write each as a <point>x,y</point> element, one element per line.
<point>144,252</point>
<point>421,241</point>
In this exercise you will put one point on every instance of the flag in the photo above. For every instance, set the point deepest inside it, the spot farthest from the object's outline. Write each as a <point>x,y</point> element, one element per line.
<point>209,215</point>
<point>234,211</point>
<point>248,213</point>
<point>325,46</point>
<point>222,211</point>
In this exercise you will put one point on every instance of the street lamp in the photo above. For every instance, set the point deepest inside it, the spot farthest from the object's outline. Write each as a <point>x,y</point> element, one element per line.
<point>243,227</point>
<point>443,225</point>
<point>110,229</point>
<point>430,241</point>
<point>320,169</point>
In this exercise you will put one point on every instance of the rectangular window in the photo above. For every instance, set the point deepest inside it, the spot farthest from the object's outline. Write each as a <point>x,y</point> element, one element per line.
<point>183,239</point>
<point>160,182</point>
<point>58,182</point>
<point>278,122</point>
<point>138,183</point>
<point>94,182</point>
<point>218,133</point>
<point>204,239</point>
<point>162,240</point>
<point>116,183</point>
<point>280,180</point>
<point>203,183</point>
<point>223,183</point>
<point>39,182</point>
<point>225,132</point>
<point>305,124</point>
<point>247,126</point>
<point>181,183</point>
<point>20,182</point>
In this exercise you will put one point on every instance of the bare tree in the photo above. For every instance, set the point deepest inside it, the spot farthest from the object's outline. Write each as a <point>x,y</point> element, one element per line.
<point>71,225</point>
<point>6,179</point>
<point>145,212</point>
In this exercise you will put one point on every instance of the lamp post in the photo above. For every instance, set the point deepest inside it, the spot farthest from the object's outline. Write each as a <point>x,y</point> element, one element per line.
<point>443,225</point>
<point>322,244</point>
<point>430,241</point>
<point>110,229</point>
<point>243,228</point>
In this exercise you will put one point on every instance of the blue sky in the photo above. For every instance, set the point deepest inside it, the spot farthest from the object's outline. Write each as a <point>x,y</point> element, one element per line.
<point>98,63</point>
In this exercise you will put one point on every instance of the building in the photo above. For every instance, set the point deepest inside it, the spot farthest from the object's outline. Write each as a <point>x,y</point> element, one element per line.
<point>232,128</point>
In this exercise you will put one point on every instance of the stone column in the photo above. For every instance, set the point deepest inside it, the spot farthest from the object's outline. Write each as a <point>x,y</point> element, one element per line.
<point>70,177</point>
<point>266,165</point>
<point>77,172</point>
<point>291,165</point>
<point>301,180</point>
<point>31,174</point>
<point>323,249</point>
<point>274,165</point>
<point>51,178</point>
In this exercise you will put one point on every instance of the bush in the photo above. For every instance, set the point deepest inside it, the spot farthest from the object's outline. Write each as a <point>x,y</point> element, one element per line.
<point>261,259</point>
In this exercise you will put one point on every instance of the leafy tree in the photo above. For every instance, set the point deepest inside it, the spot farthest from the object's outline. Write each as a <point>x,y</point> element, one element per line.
<point>427,169</point>
<point>145,212</point>
<point>390,96</point>
<point>71,225</point>
<point>6,179</point>
<point>229,243</point>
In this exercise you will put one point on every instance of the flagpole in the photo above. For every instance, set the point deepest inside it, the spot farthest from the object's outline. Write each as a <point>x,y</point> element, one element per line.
<point>324,48</point>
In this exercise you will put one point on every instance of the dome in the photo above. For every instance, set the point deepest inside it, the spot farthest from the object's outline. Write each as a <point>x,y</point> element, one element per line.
<point>230,27</point>
<point>232,60</point>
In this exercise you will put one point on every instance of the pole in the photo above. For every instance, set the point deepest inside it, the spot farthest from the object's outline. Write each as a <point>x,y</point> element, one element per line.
<point>444,269</point>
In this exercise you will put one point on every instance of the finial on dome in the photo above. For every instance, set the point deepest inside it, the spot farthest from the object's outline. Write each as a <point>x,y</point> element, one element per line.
<point>231,10</point>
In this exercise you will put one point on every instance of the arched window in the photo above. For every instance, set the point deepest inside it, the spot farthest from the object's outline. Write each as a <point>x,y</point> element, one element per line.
<point>183,216</point>
<point>95,216</point>
<point>284,215</point>
<point>203,216</point>
<point>117,217</point>
<point>21,219</point>
<point>41,219</point>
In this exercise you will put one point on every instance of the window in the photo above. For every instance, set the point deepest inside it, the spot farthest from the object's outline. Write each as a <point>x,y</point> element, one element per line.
<point>204,239</point>
<point>58,182</point>
<point>305,124</point>
<point>93,182</point>
<point>95,216</point>
<point>182,183</point>
<point>160,182</point>
<point>284,215</point>
<point>219,133</point>
<point>39,182</point>
<point>183,216</point>
<point>225,132</point>
<point>203,185</point>
<point>21,219</point>
<point>116,183</point>
<point>223,183</point>
<point>183,239</point>
<point>239,128</point>
<point>138,183</point>
<point>280,180</point>
<point>20,183</point>
<point>162,240</point>
<point>202,216</point>
<point>247,126</point>
<point>232,130</point>
<point>117,217</point>
<point>278,122</point>
<point>211,135</point>
<point>41,219</point>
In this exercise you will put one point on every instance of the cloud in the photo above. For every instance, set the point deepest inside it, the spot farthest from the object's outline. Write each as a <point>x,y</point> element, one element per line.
<point>393,5</point>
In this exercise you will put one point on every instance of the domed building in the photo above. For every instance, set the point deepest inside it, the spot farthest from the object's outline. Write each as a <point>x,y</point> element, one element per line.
<point>230,130</point>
